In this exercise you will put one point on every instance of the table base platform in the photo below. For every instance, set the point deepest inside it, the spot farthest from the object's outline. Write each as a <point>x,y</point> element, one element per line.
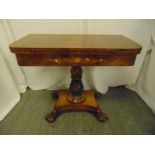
<point>89,105</point>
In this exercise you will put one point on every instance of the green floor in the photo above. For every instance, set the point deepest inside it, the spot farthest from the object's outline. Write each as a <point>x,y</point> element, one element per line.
<point>127,113</point>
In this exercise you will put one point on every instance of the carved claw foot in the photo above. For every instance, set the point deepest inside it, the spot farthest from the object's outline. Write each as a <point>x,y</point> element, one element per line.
<point>55,94</point>
<point>101,116</point>
<point>51,117</point>
<point>97,94</point>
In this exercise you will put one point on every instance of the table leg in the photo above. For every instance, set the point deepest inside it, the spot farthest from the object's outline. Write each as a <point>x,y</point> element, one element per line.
<point>55,94</point>
<point>51,117</point>
<point>76,99</point>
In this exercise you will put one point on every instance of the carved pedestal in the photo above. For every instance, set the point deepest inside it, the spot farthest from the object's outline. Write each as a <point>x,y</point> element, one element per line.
<point>76,99</point>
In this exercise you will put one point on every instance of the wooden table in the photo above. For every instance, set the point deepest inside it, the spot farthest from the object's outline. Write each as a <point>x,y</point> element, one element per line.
<point>75,51</point>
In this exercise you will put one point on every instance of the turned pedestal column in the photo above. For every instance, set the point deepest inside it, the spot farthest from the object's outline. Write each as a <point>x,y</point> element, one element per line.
<point>76,99</point>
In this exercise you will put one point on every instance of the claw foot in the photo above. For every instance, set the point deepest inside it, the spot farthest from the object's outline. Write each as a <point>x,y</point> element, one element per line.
<point>101,116</point>
<point>51,117</point>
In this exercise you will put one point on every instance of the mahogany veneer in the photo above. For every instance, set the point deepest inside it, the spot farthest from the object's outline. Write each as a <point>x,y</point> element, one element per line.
<point>75,51</point>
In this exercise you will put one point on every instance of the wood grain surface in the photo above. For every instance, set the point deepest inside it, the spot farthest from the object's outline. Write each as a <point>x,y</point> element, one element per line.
<point>71,50</point>
<point>46,43</point>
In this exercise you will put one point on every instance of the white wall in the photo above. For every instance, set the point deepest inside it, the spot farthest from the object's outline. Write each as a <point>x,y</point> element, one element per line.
<point>23,27</point>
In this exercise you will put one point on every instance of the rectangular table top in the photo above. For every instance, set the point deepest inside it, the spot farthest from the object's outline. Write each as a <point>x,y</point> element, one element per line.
<point>63,49</point>
<point>46,42</point>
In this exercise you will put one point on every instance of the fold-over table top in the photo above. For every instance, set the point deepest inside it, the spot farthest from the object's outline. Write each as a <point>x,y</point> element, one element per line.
<point>69,50</point>
<point>47,43</point>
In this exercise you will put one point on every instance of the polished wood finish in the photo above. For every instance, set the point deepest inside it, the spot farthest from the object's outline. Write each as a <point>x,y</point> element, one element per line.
<point>69,50</point>
<point>75,51</point>
<point>68,44</point>
<point>76,94</point>
<point>76,60</point>
<point>89,105</point>
<point>76,99</point>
